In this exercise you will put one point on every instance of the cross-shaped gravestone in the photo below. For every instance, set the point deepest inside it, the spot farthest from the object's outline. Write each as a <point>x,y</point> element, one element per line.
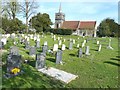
<point>40,61</point>
<point>58,57</point>
<point>80,52</point>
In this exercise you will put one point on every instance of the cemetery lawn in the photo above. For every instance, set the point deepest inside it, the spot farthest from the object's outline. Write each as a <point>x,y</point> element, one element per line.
<point>98,70</point>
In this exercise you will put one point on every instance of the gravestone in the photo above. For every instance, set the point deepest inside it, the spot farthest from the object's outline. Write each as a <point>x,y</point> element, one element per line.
<point>100,46</point>
<point>87,50</point>
<point>27,45</point>
<point>58,57</point>
<point>70,45</point>
<point>38,44</point>
<point>59,42</point>
<point>40,61</point>
<point>45,49</point>
<point>109,46</point>
<point>98,42</point>
<point>64,40</point>
<point>14,50</point>
<point>4,40</point>
<point>58,38</point>
<point>1,45</point>
<point>13,61</point>
<point>45,43</point>
<point>63,47</point>
<point>32,50</point>
<point>73,41</point>
<point>78,45</point>
<point>55,47</point>
<point>83,44</point>
<point>80,52</point>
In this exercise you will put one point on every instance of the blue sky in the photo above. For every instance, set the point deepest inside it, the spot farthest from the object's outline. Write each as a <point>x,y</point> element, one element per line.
<point>83,11</point>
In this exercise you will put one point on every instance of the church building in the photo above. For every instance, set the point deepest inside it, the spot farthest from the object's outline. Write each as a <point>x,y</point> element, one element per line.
<point>81,28</point>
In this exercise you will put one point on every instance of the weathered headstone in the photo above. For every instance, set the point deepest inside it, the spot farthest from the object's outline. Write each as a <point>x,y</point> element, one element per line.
<point>80,52</point>
<point>38,44</point>
<point>40,61</point>
<point>87,50</point>
<point>63,47</point>
<point>14,50</point>
<point>70,45</point>
<point>32,50</point>
<point>55,47</point>
<point>45,49</point>
<point>58,57</point>
<point>27,45</point>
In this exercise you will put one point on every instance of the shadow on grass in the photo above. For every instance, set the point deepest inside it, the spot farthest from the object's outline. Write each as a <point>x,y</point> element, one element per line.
<point>112,63</point>
<point>94,49</point>
<point>72,55</point>
<point>115,59</point>
<point>118,56</point>
<point>32,63</point>
<point>51,59</point>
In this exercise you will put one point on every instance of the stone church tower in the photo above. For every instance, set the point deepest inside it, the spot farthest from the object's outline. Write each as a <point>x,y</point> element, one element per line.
<point>59,18</point>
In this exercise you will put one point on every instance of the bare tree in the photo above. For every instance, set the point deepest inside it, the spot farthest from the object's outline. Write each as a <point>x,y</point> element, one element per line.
<point>28,7</point>
<point>10,8</point>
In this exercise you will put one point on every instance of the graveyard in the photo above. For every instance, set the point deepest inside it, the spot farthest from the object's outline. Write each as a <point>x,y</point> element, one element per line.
<point>93,60</point>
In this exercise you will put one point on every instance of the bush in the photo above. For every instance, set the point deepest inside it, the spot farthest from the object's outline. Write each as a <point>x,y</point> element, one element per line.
<point>60,31</point>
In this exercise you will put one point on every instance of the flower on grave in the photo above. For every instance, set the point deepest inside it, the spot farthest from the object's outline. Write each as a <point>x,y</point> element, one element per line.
<point>15,70</point>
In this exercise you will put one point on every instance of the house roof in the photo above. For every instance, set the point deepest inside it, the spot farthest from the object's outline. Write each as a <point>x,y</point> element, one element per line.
<point>90,25</point>
<point>70,24</point>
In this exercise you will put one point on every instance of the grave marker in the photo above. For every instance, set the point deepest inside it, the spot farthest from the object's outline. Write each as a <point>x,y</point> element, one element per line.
<point>87,50</point>
<point>58,57</point>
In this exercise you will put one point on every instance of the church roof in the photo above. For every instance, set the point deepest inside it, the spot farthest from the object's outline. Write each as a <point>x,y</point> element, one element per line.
<point>70,24</point>
<point>90,25</point>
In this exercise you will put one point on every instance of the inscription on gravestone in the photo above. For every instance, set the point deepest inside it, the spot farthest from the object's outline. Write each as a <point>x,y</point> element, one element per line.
<point>40,61</point>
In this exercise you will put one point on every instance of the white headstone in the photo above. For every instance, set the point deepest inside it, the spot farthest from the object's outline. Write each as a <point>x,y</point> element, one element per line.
<point>83,44</point>
<point>78,45</point>
<point>60,42</point>
<point>64,40</point>
<point>63,46</point>
<point>98,42</point>
<point>45,43</point>
<point>55,47</point>
<point>100,46</point>
<point>87,50</point>
<point>58,38</point>
<point>4,40</point>
<point>73,41</point>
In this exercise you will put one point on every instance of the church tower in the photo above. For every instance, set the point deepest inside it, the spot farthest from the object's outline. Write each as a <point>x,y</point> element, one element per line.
<point>59,18</point>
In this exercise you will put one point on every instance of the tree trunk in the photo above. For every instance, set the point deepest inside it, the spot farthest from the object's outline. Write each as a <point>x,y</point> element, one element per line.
<point>26,16</point>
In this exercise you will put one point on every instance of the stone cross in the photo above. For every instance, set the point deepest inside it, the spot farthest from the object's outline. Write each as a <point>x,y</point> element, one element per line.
<point>58,57</point>
<point>87,50</point>
<point>40,61</point>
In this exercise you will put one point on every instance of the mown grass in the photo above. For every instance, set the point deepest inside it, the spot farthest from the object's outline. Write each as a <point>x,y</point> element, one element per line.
<point>99,70</point>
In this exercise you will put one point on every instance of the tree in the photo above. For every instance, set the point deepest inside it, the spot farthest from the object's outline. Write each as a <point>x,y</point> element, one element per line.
<point>108,27</point>
<point>10,8</point>
<point>14,25</point>
<point>28,7</point>
<point>41,22</point>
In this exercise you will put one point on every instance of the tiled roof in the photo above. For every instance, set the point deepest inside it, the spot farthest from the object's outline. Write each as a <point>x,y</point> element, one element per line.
<point>79,24</point>
<point>70,24</point>
<point>87,24</point>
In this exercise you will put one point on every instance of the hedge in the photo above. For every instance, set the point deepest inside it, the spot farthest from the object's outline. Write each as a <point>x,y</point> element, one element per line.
<point>60,31</point>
